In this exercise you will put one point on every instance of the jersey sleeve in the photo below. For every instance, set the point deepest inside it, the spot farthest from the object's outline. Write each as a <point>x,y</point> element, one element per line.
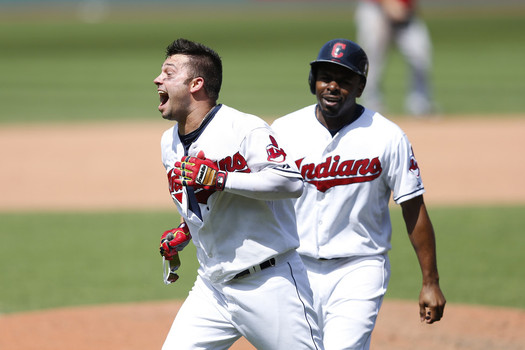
<point>262,151</point>
<point>404,173</point>
<point>272,175</point>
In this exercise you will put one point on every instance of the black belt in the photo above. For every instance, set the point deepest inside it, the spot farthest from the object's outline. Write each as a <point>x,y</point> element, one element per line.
<point>253,269</point>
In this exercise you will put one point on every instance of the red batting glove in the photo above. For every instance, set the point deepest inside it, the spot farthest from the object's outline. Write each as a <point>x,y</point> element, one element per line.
<point>174,240</point>
<point>200,172</point>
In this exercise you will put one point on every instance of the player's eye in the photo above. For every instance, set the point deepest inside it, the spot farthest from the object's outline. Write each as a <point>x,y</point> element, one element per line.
<point>323,77</point>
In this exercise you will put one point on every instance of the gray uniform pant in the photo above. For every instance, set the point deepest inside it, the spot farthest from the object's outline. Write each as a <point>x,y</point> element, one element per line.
<point>375,34</point>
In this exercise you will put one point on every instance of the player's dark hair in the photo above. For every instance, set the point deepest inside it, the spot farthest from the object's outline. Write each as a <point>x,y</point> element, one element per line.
<point>205,63</point>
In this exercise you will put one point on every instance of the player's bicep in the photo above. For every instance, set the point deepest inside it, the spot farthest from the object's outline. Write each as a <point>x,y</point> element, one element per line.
<point>404,173</point>
<point>262,149</point>
<point>272,175</point>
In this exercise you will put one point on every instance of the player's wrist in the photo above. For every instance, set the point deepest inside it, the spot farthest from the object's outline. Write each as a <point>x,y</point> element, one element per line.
<point>220,180</point>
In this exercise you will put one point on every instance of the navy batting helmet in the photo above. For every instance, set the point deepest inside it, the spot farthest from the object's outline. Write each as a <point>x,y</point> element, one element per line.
<point>343,52</point>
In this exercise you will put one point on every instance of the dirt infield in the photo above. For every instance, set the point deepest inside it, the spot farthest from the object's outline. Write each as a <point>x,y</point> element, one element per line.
<point>109,166</point>
<point>106,166</point>
<point>144,326</point>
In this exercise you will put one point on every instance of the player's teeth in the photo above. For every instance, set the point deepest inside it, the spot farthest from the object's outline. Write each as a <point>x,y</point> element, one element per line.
<point>163,96</point>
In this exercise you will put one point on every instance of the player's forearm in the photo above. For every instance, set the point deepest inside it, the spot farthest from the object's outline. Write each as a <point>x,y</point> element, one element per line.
<point>422,237</point>
<point>424,246</point>
<point>264,185</point>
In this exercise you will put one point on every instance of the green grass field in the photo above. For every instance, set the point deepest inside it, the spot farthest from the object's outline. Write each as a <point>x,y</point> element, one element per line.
<point>65,70</point>
<point>56,69</point>
<point>50,260</point>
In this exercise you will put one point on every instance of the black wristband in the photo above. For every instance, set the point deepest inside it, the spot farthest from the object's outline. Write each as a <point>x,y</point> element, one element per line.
<point>220,181</point>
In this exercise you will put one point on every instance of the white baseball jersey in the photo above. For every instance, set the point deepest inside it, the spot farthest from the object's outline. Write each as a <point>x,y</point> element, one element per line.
<point>349,179</point>
<point>240,228</point>
<point>236,228</point>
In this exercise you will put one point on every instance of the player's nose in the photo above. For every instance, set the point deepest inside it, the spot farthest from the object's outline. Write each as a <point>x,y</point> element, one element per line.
<point>333,85</point>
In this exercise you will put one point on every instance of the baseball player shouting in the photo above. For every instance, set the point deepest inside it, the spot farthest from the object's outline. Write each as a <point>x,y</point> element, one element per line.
<point>233,185</point>
<point>351,159</point>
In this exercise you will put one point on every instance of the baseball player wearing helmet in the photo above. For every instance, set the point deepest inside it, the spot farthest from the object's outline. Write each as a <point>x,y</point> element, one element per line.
<point>233,185</point>
<point>352,159</point>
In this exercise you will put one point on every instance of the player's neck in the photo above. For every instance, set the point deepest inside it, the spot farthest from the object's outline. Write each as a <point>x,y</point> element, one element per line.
<point>336,123</point>
<point>195,118</point>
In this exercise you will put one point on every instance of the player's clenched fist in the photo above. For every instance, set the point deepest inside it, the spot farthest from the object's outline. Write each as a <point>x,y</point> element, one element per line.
<point>200,172</point>
<point>174,240</point>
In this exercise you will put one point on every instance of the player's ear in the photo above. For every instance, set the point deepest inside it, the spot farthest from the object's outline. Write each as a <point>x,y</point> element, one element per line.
<point>196,84</point>
<point>361,88</point>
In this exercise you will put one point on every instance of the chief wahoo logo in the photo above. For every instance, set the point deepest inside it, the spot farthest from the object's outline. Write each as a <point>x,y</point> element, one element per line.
<point>414,167</point>
<point>275,154</point>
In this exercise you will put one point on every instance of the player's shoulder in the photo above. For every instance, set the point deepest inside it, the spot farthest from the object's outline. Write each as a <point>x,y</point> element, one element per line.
<point>298,116</point>
<point>380,123</point>
<point>228,114</point>
<point>237,124</point>
<point>168,135</point>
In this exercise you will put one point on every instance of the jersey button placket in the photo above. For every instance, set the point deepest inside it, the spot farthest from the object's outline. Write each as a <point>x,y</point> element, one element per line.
<point>320,198</point>
<point>319,222</point>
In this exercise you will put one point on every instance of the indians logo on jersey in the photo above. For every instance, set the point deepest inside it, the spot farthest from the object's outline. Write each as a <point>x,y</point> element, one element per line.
<point>413,167</point>
<point>275,154</point>
<point>335,172</point>
<point>235,163</point>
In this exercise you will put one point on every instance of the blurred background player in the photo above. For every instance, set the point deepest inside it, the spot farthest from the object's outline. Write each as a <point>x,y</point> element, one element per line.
<point>381,23</point>
<point>352,160</point>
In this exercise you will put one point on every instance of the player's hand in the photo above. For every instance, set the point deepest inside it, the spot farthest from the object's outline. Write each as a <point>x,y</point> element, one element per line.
<point>174,240</point>
<point>431,303</point>
<point>200,172</point>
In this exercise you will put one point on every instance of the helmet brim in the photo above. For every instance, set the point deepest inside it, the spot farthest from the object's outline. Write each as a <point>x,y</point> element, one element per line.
<point>348,66</point>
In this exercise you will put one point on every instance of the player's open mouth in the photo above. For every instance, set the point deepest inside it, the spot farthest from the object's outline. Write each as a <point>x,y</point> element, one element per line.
<point>331,100</point>
<point>163,96</point>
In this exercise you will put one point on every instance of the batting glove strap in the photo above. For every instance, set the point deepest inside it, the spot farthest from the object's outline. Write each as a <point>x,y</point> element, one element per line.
<point>220,181</point>
<point>206,175</point>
